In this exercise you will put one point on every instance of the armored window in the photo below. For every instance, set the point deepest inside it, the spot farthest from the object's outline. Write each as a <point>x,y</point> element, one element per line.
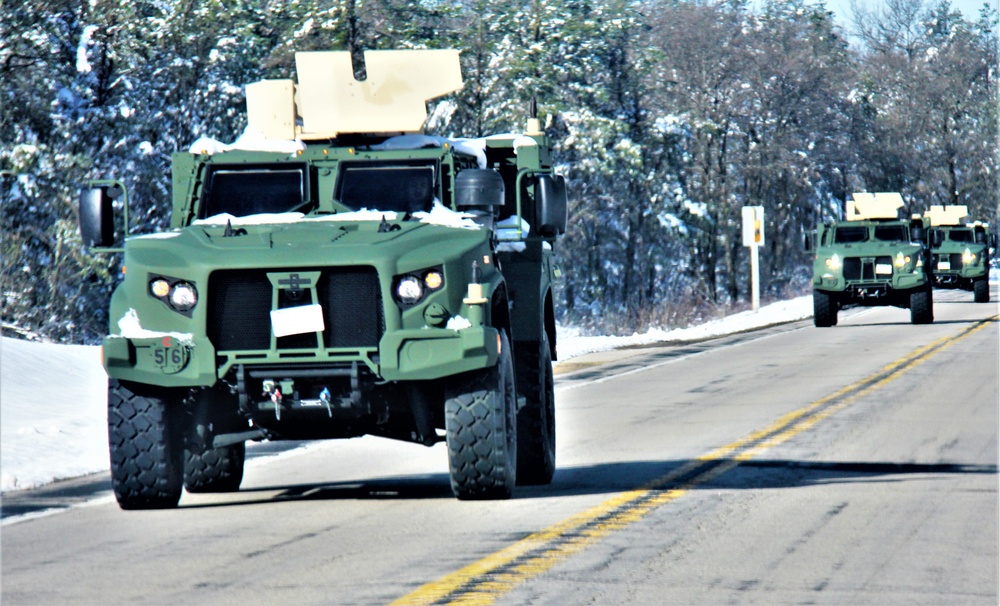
<point>847,235</point>
<point>960,235</point>
<point>254,189</point>
<point>891,233</point>
<point>405,188</point>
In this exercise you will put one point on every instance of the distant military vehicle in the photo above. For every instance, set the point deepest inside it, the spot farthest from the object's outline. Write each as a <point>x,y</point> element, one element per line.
<point>872,258</point>
<point>335,273</point>
<point>960,250</point>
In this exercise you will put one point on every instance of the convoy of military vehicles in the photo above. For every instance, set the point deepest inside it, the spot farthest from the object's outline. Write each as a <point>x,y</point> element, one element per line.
<point>334,273</point>
<point>876,257</point>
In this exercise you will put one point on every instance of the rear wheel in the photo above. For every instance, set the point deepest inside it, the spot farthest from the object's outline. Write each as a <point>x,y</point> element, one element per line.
<point>214,469</point>
<point>536,422</point>
<point>481,430</point>
<point>922,306</point>
<point>146,443</point>
<point>824,309</point>
<point>981,290</point>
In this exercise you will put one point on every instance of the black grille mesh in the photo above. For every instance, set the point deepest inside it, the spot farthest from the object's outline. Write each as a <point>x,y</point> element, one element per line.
<point>239,306</point>
<point>857,268</point>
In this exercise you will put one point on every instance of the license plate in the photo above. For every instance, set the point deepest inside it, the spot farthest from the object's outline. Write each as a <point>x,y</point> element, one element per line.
<point>883,268</point>
<point>297,320</point>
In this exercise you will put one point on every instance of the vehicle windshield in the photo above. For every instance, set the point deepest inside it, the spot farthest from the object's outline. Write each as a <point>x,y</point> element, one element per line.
<point>892,233</point>
<point>960,235</point>
<point>848,235</point>
<point>392,188</point>
<point>254,190</point>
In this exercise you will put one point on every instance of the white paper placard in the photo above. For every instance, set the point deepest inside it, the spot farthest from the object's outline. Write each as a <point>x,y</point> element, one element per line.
<point>297,320</point>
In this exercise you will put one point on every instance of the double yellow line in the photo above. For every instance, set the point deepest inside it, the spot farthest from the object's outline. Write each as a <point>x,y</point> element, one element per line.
<point>484,581</point>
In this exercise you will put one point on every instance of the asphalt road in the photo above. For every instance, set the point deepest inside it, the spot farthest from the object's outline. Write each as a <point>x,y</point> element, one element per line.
<point>850,465</point>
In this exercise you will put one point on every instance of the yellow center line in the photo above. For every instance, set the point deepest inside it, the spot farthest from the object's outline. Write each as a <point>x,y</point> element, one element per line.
<point>485,580</point>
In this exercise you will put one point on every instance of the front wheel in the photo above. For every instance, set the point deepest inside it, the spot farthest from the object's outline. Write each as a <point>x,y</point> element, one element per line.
<point>981,290</point>
<point>824,309</point>
<point>922,306</point>
<point>481,430</point>
<point>146,442</point>
<point>536,421</point>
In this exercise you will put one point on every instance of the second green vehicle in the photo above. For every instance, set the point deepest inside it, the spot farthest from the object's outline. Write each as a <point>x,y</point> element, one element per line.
<point>872,258</point>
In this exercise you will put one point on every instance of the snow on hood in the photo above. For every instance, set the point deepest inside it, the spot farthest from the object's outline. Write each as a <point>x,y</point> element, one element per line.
<point>258,219</point>
<point>131,329</point>
<point>438,215</point>
<point>442,215</point>
<point>251,140</point>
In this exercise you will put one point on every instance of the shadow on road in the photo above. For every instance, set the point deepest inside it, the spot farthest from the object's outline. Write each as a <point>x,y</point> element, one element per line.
<point>605,478</point>
<point>612,478</point>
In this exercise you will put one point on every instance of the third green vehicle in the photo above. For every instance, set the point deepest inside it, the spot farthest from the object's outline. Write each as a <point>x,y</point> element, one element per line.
<point>960,251</point>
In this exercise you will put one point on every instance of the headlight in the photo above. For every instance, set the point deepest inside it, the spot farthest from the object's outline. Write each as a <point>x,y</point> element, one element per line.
<point>409,290</point>
<point>159,288</point>
<point>433,280</point>
<point>412,288</point>
<point>901,261</point>
<point>833,262</point>
<point>177,294</point>
<point>968,257</point>
<point>183,296</point>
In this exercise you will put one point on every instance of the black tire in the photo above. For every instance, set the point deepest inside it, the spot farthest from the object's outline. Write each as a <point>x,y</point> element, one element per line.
<point>922,306</point>
<point>214,469</point>
<point>824,309</point>
<point>981,290</point>
<point>145,439</point>
<point>536,421</point>
<point>481,431</point>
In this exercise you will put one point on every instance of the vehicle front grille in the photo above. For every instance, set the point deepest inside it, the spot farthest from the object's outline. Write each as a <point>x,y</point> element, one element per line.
<point>954,259</point>
<point>863,268</point>
<point>240,303</point>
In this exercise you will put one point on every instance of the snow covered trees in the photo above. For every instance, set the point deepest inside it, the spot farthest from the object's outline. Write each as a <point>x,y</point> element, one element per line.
<point>670,116</point>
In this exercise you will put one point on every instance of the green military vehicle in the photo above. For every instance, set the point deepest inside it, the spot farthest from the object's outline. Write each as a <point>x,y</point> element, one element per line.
<point>333,274</point>
<point>872,258</point>
<point>960,251</point>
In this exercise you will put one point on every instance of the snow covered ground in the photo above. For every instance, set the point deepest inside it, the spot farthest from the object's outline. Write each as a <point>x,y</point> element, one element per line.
<point>53,397</point>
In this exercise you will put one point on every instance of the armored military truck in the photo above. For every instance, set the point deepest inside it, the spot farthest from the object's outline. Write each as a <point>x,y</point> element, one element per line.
<point>334,273</point>
<point>872,258</point>
<point>960,250</point>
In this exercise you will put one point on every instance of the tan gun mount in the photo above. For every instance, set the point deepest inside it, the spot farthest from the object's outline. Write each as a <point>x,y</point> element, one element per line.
<point>947,215</point>
<point>883,205</point>
<point>328,101</point>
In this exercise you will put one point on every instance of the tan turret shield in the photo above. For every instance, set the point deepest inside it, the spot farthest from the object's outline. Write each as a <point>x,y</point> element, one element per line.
<point>883,205</point>
<point>947,215</point>
<point>329,101</point>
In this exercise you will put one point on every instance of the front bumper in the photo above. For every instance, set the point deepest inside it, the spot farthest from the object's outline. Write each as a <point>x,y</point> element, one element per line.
<point>404,355</point>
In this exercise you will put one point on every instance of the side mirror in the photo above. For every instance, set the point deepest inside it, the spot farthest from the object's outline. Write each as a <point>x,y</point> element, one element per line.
<point>809,241</point>
<point>97,226</point>
<point>937,238</point>
<point>550,197</point>
<point>479,191</point>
